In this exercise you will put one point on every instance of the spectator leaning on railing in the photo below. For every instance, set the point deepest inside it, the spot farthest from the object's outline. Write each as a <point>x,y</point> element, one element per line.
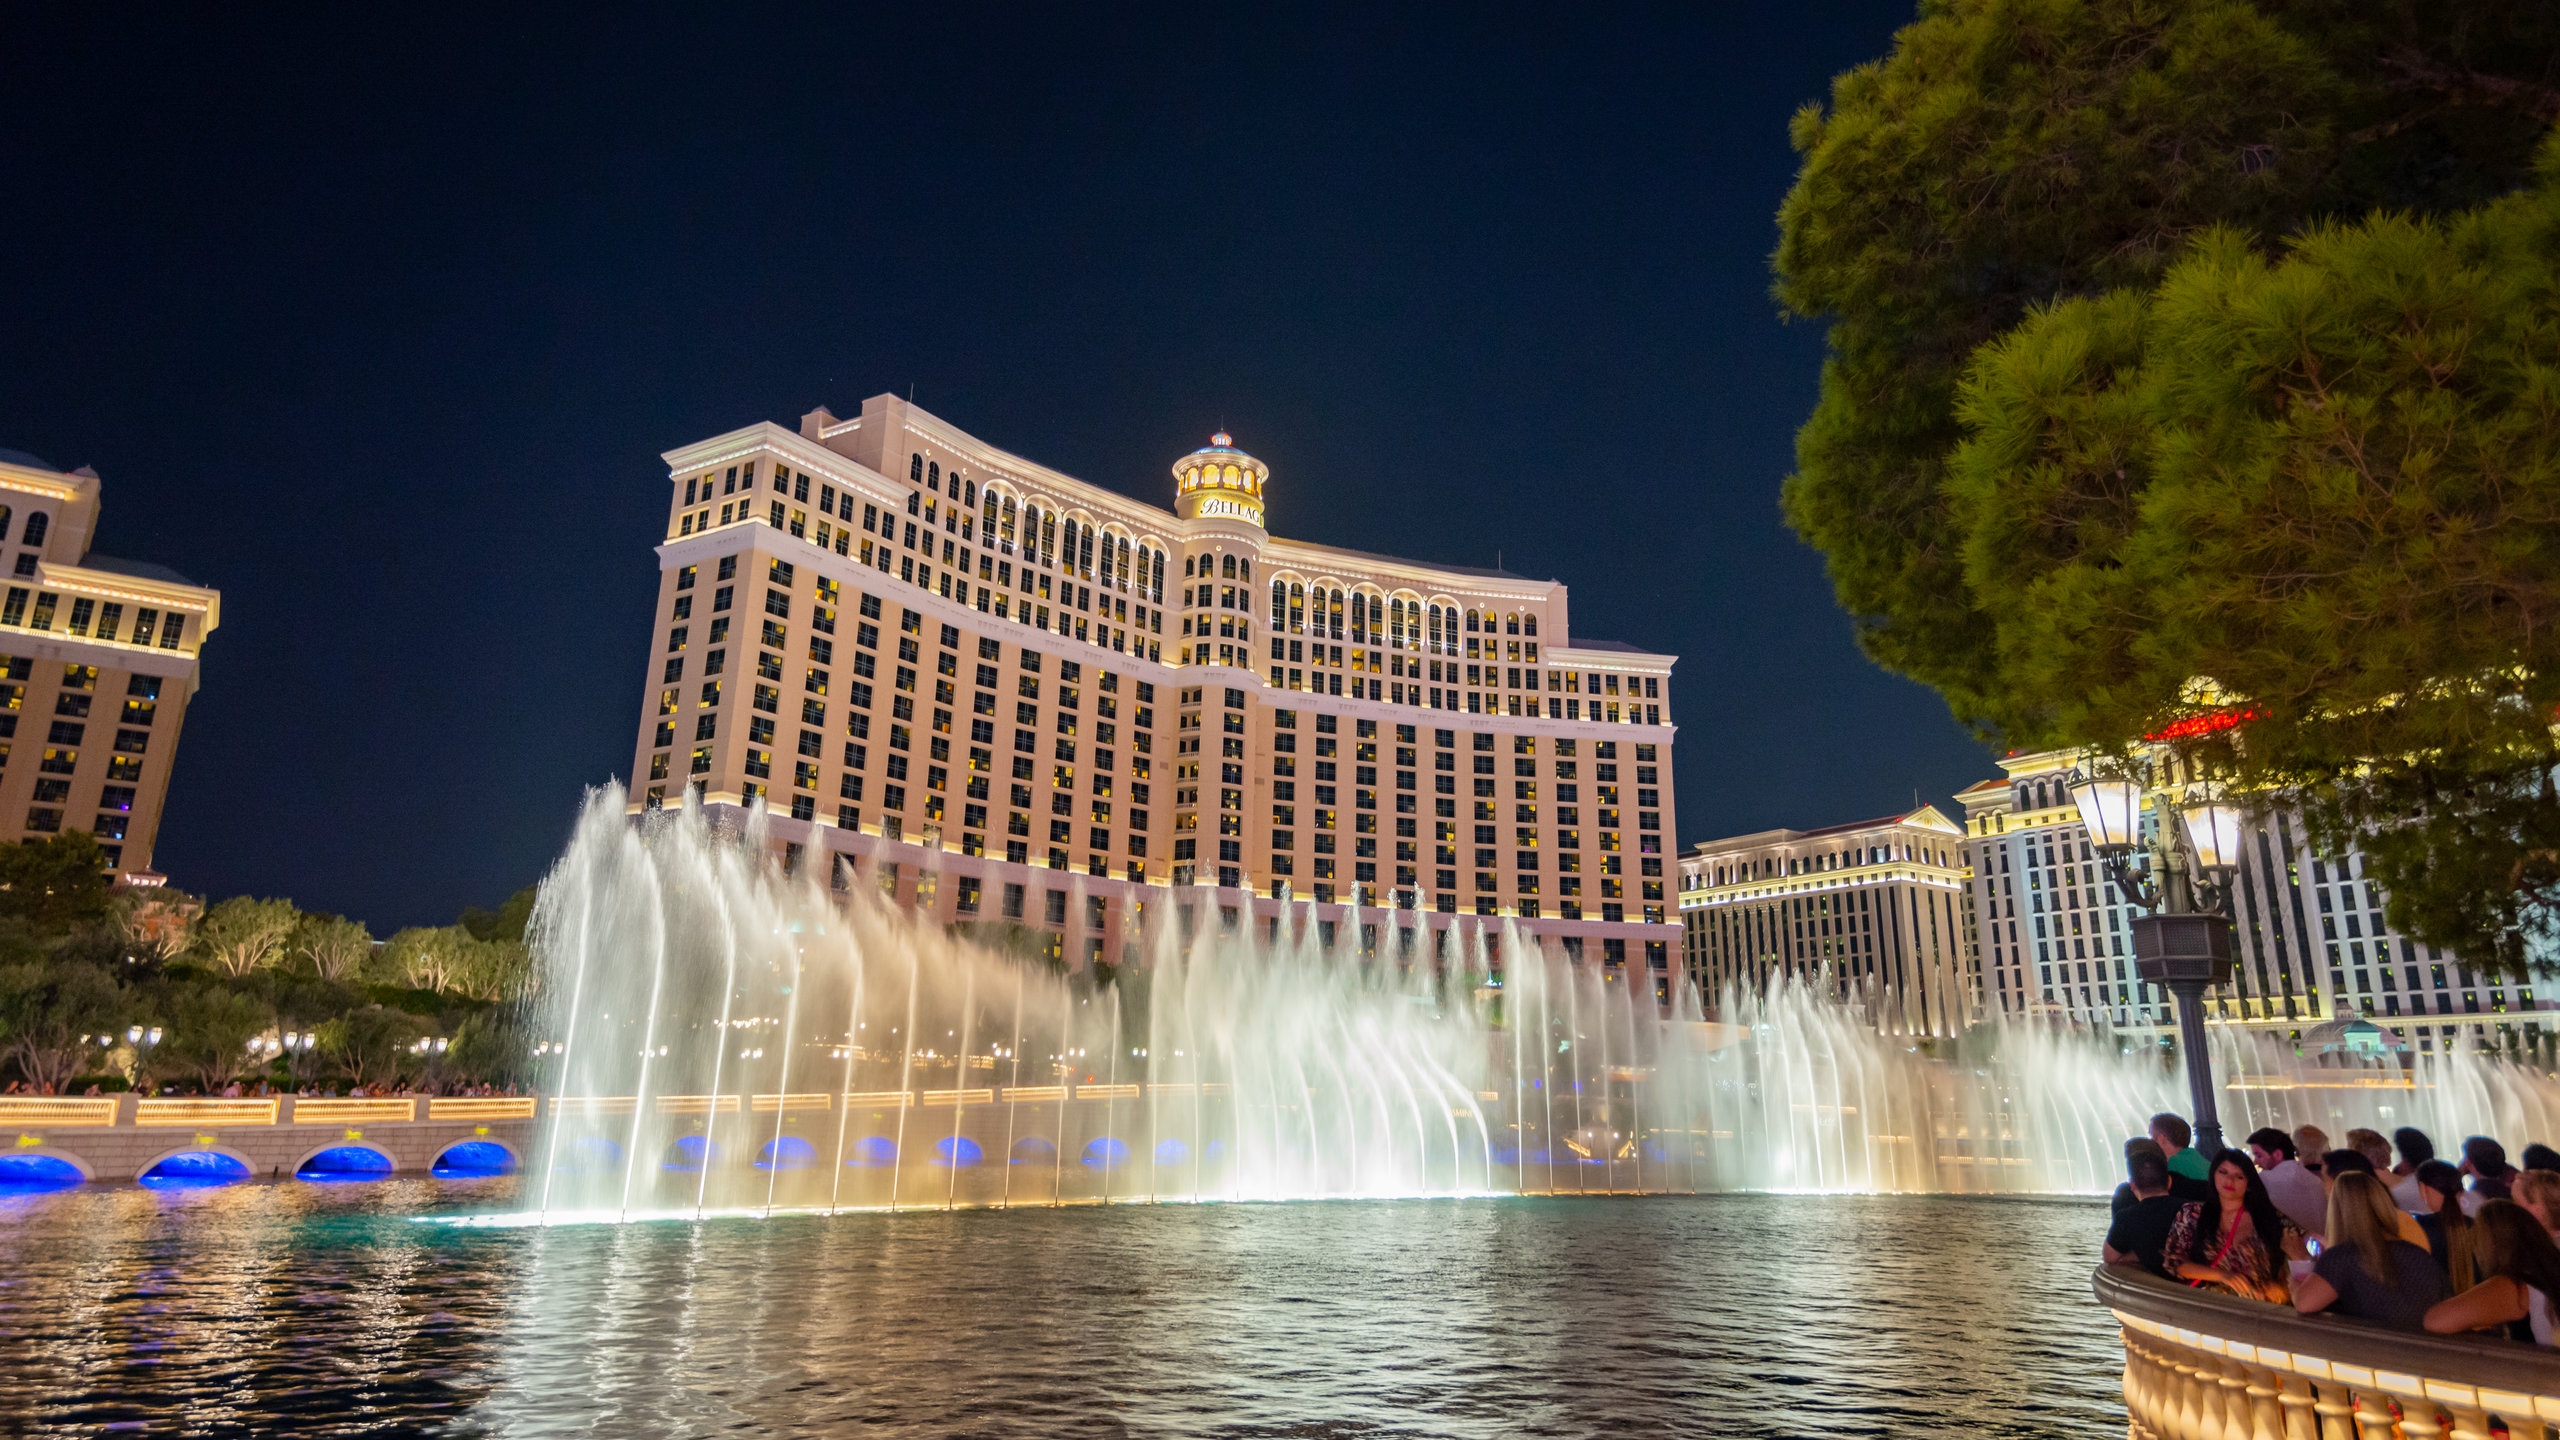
<point>2238,1241</point>
<point>2141,1230</point>
<point>2366,1270</point>
<point>2181,1188</point>
<point>2338,1163</point>
<point>2522,1272</point>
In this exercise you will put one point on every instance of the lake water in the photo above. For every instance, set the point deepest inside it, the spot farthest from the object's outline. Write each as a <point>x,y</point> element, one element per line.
<point>327,1309</point>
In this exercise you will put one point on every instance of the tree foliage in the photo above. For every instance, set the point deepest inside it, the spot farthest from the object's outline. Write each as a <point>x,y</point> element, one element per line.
<point>206,1027</point>
<point>242,935</point>
<point>48,1009</point>
<point>55,885</point>
<point>331,946</point>
<point>2186,354</point>
<point>371,1044</point>
<point>79,960</point>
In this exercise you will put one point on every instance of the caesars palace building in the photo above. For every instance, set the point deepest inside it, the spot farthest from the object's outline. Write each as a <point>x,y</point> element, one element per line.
<point>1005,694</point>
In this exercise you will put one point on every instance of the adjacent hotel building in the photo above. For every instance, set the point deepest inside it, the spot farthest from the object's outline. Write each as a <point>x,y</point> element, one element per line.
<point>1004,693</point>
<point>97,664</point>
<point>1874,914</point>
<point>2312,947</point>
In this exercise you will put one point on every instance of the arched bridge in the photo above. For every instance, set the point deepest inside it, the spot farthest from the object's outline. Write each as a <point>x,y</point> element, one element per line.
<point>125,1137</point>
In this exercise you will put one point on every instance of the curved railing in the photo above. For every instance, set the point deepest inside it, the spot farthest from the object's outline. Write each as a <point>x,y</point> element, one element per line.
<point>2214,1367</point>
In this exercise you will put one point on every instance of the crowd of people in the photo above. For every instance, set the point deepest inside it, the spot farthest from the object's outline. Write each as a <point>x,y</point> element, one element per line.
<point>2379,1229</point>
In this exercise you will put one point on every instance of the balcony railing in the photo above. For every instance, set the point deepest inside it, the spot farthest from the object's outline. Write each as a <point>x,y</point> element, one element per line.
<point>2200,1366</point>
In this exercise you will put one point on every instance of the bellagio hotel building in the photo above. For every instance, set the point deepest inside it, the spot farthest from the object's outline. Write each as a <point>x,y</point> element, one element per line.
<point>98,661</point>
<point>1004,694</point>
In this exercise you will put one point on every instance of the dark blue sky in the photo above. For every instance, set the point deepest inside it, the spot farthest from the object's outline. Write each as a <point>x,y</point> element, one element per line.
<point>380,328</point>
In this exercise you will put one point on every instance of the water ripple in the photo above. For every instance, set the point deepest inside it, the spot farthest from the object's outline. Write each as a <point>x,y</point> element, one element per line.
<point>247,1309</point>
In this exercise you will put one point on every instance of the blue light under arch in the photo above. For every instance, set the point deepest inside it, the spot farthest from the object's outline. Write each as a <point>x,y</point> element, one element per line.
<point>1104,1153</point>
<point>345,1162</point>
<point>690,1153</point>
<point>874,1150</point>
<point>788,1152</point>
<point>1034,1151</point>
<point>473,1158</point>
<point>1172,1152</point>
<point>193,1170</point>
<point>958,1151</point>
<point>21,1172</point>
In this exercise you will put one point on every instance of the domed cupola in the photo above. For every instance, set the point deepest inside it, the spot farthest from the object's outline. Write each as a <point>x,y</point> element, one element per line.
<point>1219,482</point>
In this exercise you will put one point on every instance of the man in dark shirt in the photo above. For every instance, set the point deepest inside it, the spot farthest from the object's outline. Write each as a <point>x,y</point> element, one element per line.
<point>2141,1230</point>
<point>2181,1188</point>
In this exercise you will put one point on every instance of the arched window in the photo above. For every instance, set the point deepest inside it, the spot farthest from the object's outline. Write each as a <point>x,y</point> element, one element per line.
<point>915,468</point>
<point>1297,609</point>
<point>1337,614</point>
<point>1279,604</point>
<point>987,518</point>
<point>1227,567</point>
<point>1395,623</point>
<point>1049,539</point>
<point>1471,622</point>
<point>1187,564</point>
<point>1529,624</point>
<point>1155,592</point>
<point>1435,629</point>
<point>933,476</point>
<point>1084,553</point>
<point>1359,617</point>
<point>1124,562</point>
<point>1008,525</point>
<point>1246,566</point>
<point>973,494</point>
<point>1511,626</point>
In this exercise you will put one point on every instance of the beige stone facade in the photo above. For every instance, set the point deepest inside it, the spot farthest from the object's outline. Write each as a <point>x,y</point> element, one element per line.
<point>2308,934</point>
<point>1874,914</point>
<point>1008,694</point>
<point>97,664</point>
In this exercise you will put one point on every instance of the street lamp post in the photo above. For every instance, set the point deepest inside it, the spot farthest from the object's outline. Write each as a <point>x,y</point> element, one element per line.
<point>2184,945</point>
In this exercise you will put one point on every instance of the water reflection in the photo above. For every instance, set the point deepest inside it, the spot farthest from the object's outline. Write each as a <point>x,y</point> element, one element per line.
<point>255,1306</point>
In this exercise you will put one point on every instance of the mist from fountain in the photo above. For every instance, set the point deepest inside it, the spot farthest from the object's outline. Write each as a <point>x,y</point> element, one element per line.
<point>725,1037</point>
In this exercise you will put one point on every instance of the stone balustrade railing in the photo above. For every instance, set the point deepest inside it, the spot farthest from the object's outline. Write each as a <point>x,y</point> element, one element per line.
<point>83,1111</point>
<point>2213,1367</point>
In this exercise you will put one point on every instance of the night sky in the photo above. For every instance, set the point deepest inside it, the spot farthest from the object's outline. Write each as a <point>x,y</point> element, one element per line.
<point>381,329</point>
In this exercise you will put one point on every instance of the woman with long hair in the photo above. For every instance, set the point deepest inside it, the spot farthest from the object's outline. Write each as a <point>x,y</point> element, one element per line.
<point>2236,1242</point>
<point>2521,1270</point>
<point>2452,1235</point>
<point>2366,1270</point>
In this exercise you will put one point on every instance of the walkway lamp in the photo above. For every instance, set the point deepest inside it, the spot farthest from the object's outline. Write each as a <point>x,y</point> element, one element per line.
<point>2183,877</point>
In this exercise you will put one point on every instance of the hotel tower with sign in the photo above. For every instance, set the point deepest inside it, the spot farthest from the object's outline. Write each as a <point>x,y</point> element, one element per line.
<point>1000,693</point>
